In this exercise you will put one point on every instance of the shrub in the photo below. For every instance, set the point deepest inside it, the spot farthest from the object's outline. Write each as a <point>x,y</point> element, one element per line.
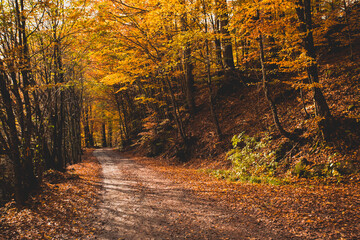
<point>251,161</point>
<point>249,156</point>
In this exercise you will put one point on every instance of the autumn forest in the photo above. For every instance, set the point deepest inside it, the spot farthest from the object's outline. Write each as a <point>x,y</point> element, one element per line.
<point>260,94</point>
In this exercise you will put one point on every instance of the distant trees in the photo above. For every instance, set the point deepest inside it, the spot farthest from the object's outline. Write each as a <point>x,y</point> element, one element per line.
<point>165,40</point>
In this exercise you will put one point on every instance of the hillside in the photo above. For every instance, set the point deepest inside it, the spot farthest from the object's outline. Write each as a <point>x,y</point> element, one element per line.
<point>242,107</point>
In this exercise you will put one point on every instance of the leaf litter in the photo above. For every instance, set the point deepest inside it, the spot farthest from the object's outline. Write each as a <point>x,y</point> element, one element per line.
<point>62,209</point>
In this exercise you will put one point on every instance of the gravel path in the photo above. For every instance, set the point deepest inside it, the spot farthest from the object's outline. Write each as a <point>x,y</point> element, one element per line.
<point>138,203</point>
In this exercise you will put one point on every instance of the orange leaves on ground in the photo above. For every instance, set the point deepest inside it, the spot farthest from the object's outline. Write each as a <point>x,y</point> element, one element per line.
<point>62,210</point>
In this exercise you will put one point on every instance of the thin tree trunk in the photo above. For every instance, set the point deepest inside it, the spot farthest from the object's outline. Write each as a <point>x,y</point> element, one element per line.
<point>209,81</point>
<point>103,135</point>
<point>217,42</point>
<point>267,91</point>
<point>31,180</point>
<point>125,115</point>
<point>189,80</point>
<point>175,110</point>
<point>59,110</point>
<point>110,134</point>
<point>188,68</point>
<point>122,127</point>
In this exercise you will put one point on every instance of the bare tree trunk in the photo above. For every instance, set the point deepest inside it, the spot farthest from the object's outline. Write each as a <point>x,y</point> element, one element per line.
<point>123,115</point>
<point>89,142</point>
<point>175,110</point>
<point>217,42</point>
<point>58,149</point>
<point>189,80</point>
<point>110,134</point>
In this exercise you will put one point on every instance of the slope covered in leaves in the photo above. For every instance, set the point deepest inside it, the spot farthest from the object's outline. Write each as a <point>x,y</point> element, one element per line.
<point>62,209</point>
<point>244,109</point>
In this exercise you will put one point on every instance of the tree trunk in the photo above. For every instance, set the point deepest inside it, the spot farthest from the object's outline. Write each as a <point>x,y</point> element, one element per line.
<point>103,135</point>
<point>188,68</point>
<point>123,116</point>
<point>228,58</point>
<point>267,91</point>
<point>13,140</point>
<point>189,80</point>
<point>58,117</point>
<point>110,134</point>
<point>321,107</point>
<point>217,42</point>
<point>175,110</point>
<point>89,142</point>
<point>209,82</point>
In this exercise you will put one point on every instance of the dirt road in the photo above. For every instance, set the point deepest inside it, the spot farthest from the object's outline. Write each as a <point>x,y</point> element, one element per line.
<point>139,203</point>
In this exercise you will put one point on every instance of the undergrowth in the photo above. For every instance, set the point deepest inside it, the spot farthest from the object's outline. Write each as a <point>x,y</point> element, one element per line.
<point>252,161</point>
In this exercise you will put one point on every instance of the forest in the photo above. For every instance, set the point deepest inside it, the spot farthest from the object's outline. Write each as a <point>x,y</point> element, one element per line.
<point>254,91</point>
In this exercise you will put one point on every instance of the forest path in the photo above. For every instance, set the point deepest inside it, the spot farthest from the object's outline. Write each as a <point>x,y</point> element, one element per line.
<point>139,203</point>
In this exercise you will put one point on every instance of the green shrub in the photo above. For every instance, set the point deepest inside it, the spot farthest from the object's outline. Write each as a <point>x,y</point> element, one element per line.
<point>249,156</point>
<point>251,161</point>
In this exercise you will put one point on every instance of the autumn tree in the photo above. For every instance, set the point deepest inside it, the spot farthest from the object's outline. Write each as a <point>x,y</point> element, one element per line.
<point>303,11</point>
<point>148,56</point>
<point>286,29</point>
<point>40,114</point>
<point>17,130</point>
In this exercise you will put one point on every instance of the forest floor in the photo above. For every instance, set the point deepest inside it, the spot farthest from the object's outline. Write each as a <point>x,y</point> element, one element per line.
<point>123,196</point>
<point>62,209</point>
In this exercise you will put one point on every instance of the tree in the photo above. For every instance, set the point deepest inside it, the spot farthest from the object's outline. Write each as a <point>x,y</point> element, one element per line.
<point>16,101</point>
<point>223,18</point>
<point>303,11</point>
<point>33,76</point>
